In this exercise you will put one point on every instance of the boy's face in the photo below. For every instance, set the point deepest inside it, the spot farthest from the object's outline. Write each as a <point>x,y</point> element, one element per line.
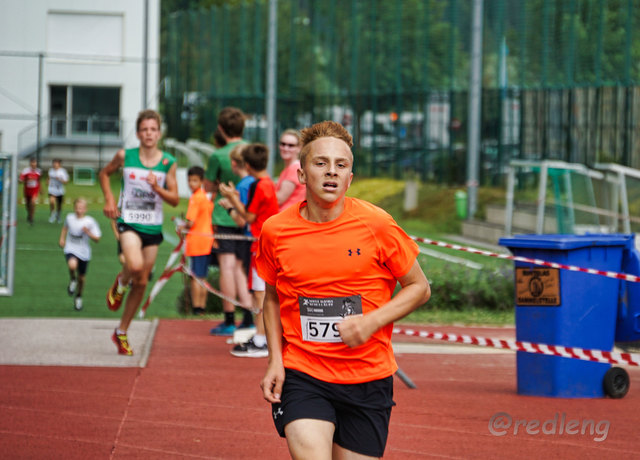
<point>327,170</point>
<point>234,167</point>
<point>194,182</point>
<point>33,164</point>
<point>148,133</point>
<point>80,208</point>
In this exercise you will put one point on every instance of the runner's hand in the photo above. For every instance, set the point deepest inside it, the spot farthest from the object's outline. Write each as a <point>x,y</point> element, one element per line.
<point>152,180</point>
<point>354,330</point>
<point>110,209</point>
<point>272,382</point>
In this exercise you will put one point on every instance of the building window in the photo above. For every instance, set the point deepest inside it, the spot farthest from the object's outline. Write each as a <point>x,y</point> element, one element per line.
<point>84,110</point>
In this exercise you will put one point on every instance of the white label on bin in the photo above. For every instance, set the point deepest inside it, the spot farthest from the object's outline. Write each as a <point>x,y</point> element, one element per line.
<point>539,287</point>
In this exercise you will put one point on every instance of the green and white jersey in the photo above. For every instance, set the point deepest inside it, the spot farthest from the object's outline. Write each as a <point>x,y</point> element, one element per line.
<point>140,206</point>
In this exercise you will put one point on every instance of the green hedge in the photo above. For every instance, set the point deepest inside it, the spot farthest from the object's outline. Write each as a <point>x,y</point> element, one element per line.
<point>459,288</point>
<point>453,288</point>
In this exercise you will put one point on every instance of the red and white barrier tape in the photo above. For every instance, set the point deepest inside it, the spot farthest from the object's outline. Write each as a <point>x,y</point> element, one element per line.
<point>573,268</point>
<point>158,285</point>
<point>529,347</point>
<point>183,267</point>
<point>214,291</point>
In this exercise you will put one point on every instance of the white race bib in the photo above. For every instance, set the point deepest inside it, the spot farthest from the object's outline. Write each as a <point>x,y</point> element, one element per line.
<point>319,317</point>
<point>140,204</point>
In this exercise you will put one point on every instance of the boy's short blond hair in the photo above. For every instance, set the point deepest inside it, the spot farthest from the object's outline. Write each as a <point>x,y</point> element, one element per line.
<point>322,129</point>
<point>236,154</point>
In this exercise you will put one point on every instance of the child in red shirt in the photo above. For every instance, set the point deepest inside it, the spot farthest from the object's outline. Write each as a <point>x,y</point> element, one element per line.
<point>262,204</point>
<point>30,176</point>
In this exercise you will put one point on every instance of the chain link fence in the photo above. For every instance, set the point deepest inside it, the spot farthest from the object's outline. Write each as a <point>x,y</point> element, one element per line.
<point>560,79</point>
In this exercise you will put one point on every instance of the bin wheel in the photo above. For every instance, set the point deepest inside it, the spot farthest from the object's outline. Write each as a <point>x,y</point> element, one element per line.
<point>616,382</point>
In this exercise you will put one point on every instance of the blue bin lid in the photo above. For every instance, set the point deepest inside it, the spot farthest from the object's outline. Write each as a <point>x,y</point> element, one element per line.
<point>560,241</point>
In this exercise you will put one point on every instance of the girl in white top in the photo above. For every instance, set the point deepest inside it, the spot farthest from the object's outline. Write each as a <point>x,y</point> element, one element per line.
<point>76,232</point>
<point>57,177</point>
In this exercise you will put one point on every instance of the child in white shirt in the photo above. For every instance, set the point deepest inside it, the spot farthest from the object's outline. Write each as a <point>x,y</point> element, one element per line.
<point>76,232</point>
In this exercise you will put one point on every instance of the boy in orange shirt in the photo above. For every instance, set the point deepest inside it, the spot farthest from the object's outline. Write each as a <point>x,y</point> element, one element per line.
<point>199,240</point>
<point>331,264</point>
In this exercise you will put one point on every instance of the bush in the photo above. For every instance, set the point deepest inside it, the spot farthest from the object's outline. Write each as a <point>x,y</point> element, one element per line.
<point>460,288</point>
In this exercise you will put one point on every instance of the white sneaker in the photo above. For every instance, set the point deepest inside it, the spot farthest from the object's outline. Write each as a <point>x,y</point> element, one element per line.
<point>52,217</point>
<point>71,289</point>
<point>243,335</point>
<point>250,350</point>
<point>77,304</point>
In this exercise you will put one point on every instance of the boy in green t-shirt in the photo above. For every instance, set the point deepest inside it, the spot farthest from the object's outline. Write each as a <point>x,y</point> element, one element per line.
<point>230,126</point>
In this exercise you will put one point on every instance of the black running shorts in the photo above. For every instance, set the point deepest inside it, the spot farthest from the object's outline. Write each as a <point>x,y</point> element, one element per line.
<point>360,411</point>
<point>148,239</point>
<point>82,264</point>
<point>226,246</point>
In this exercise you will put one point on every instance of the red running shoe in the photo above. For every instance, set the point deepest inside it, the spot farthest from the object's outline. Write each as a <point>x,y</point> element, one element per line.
<point>114,297</point>
<point>122,342</point>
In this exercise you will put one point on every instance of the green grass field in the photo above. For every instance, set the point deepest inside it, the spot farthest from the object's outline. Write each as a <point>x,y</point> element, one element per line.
<point>41,275</point>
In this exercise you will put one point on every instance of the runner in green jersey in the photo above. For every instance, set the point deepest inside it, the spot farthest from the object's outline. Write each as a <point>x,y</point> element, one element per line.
<point>148,180</point>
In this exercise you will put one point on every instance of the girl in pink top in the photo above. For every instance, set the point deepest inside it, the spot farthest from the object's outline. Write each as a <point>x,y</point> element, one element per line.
<point>289,190</point>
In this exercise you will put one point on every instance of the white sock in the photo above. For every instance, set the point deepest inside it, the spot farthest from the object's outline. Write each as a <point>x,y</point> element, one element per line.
<point>259,340</point>
<point>121,287</point>
<point>120,331</point>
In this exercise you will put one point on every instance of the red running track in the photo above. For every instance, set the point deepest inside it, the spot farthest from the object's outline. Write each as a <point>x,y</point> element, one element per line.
<point>195,400</point>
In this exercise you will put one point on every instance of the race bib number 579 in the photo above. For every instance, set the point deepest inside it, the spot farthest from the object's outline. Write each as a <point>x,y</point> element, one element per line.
<point>319,317</point>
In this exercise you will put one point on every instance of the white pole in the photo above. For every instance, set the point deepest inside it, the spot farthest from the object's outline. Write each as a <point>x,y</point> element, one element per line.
<point>475,87</point>
<point>272,62</point>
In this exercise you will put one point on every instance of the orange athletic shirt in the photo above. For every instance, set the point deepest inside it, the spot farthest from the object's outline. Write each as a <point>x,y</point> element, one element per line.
<point>362,252</point>
<point>200,237</point>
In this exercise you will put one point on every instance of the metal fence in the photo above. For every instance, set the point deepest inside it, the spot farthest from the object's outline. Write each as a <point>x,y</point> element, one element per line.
<point>560,78</point>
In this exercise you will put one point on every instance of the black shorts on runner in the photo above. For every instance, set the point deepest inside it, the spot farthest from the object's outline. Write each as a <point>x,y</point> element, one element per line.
<point>359,411</point>
<point>226,246</point>
<point>58,198</point>
<point>82,264</point>
<point>148,239</point>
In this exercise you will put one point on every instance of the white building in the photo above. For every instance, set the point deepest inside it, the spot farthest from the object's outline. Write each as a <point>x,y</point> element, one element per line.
<point>83,68</point>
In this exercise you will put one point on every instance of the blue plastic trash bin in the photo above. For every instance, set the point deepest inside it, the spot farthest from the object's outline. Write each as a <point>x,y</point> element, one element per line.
<point>568,308</point>
<point>628,325</point>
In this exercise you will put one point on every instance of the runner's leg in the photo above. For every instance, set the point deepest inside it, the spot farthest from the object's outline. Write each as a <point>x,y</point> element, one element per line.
<point>138,264</point>
<point>309,438</point>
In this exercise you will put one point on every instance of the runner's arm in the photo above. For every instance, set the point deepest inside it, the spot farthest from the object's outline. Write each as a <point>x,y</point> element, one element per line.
<point>94,237</point>
<point>110,208</point>
<point>170,193</point>
<point>415,291</point>
<point>274,377</point>
<point>63,236</point>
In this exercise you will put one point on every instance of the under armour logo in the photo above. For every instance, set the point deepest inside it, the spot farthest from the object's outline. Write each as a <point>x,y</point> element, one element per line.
<point>278,412</point>
<point>357,252</point>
